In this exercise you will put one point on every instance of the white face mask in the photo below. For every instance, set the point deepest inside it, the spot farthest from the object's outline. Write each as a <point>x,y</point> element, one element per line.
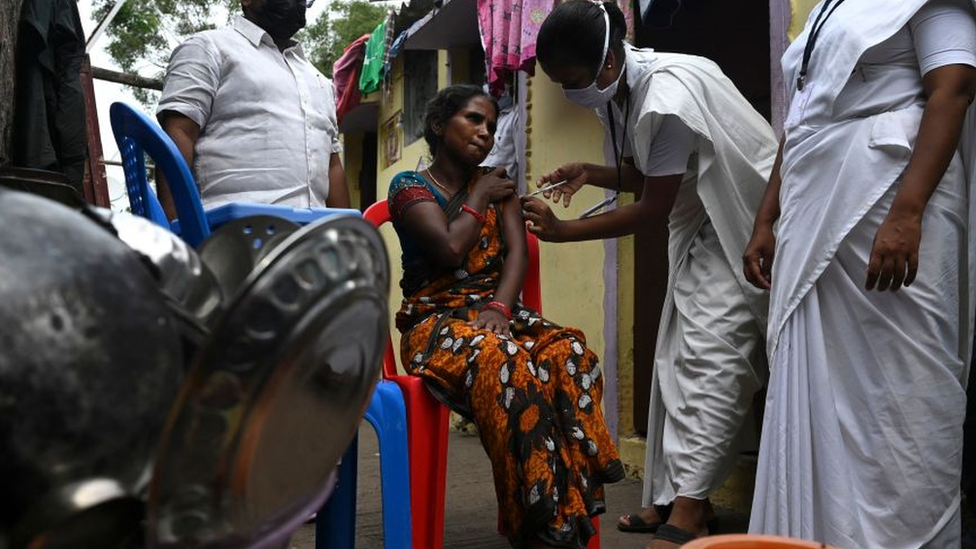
<point>592,97</point>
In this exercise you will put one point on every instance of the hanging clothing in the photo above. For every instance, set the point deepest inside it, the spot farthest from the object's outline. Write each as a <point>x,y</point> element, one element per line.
<point>509,29</point>
<point>388,42</point>
<point>708,363</point>
<point>49,119</point>
<point>371,77</point>
<point>627,8</point>
<point>862,439</point>
<point>345,76</point>
<point>395,48</point>
<point>503,154</point>
<point>535,397</point>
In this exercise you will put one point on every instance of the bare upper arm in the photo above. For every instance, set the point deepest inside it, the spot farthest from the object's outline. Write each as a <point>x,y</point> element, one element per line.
<point>183,131</point>
<point>957,80</point>
<point>513,225</point>
<point>427,223</point>
<point>175,122</point>
<point>659,194</point>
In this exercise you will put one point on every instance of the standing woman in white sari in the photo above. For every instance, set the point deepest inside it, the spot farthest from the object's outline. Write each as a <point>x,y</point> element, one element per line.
<point>870,306</point>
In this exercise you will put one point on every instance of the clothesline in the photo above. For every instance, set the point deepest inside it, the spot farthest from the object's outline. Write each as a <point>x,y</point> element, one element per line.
<point>508,31</point>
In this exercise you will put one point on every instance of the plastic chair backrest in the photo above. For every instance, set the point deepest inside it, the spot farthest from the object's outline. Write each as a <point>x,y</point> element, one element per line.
<point>135,134</point>
<point>379,213</point>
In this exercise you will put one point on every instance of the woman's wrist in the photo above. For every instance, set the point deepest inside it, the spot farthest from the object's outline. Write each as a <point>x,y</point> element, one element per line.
<point>908,212</point>
<point>588,170</point>
<point>763,224</point>
<point>499,307</point>
<point>564,231</point>
<point>766,217</point>
<point>480,217</point>
<point>907,206</point>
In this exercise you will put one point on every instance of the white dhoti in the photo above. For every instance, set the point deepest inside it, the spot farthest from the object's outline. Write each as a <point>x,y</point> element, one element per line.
<point>705,376</point>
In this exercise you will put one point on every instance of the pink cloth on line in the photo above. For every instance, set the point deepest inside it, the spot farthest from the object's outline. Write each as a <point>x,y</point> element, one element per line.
<point>345,76</point>
<point>508,35</point>
<point>628,10</point>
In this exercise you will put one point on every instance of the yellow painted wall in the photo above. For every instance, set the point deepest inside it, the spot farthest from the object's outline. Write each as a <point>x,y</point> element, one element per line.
<point>801,10</point>
<point>631,445</point>
<point>625,332</point>
<point>572,273</point>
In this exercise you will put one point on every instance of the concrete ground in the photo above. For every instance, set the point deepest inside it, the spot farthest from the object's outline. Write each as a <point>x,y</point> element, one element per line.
<point>470,516</point>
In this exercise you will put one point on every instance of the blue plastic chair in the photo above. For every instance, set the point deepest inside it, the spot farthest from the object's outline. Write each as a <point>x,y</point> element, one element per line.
<point>136,134</point>
<point>335,526</point>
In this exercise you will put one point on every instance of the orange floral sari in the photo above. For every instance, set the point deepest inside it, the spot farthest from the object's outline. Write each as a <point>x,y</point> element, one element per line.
<point>535,396</point>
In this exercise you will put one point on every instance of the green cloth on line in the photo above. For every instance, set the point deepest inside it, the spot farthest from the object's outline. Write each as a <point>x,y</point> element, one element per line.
<point>372,75</point>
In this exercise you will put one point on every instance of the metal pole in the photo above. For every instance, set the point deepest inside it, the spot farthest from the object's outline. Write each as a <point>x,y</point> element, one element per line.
<point>133,80</point>
<point>102,25</point>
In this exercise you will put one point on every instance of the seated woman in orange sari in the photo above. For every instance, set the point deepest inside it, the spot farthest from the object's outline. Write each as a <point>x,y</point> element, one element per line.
<point>532,388</point>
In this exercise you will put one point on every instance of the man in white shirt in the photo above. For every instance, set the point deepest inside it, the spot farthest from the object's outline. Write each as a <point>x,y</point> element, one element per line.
<point>252,117</point>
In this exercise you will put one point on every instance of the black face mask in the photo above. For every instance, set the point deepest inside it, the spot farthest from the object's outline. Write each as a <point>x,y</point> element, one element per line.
<point>281,18</point>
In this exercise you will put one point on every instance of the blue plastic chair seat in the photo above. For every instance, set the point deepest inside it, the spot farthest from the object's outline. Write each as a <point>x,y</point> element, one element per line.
<point>230,212</point>
<point>236,210</point>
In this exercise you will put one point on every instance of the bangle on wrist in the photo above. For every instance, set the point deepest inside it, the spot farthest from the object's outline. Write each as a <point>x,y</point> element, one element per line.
<point>474,213</point>
<point>500,307</point>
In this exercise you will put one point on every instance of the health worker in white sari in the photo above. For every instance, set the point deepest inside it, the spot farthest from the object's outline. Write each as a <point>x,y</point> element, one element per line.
<point>871,289</point>
<point>679,131</point>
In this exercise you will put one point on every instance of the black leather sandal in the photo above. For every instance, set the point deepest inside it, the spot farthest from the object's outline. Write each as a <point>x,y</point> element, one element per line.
<point>637,525</point>
<point>673,534</point>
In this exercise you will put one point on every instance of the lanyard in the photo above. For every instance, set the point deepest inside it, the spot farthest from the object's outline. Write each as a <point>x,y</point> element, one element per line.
<point>618,152</point>
<point>818,25</point>
<point>618,156</point>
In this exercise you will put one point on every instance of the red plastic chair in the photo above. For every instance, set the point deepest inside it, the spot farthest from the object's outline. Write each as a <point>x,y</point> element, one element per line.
<point>427,419</point>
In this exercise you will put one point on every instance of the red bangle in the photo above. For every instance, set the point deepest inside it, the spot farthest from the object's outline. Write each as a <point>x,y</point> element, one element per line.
<point>500,307</point>
<point>472,211</point>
